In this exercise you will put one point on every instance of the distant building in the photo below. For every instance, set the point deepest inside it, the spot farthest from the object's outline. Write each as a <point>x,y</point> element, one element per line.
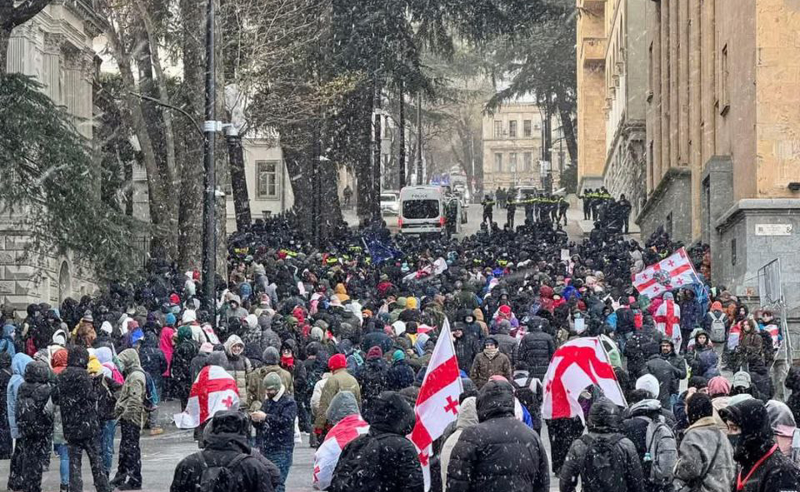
<point>512,147</point>
<point>55,47</point>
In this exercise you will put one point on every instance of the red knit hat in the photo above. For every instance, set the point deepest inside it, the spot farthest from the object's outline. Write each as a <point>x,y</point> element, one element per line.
<point>338,361</point>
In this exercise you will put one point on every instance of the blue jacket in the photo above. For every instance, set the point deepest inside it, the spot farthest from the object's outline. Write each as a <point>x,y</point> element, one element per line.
<point>277,430</point>
<point>7,340</point>
<point>18,365</point>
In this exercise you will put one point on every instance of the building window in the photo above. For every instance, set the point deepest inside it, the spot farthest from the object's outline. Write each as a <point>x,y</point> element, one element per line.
<point>724,101</point>
<point>512,129</point>
<point>528,161</point>
<point>512,161</point>
<point>498,163</point>
<point>387,131</point>
<point>267,179</point>
<point>498,129</point>
<point>527,128</point>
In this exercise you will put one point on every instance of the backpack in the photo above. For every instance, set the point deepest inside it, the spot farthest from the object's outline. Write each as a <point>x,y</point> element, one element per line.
<point>524,393</point>
<point>221,478</point>
<point>31,418</point>
<point>603,465</point>
<point>717,331</point>
<point>661,453</point>
<point>151,399</point>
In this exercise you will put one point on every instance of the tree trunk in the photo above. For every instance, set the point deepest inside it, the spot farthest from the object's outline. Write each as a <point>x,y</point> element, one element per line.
<point>191,187</point>
<point>375,205</point>
<point>5,39</point>
<point>241,198</point>
<point>565,113</point>
<point>402,137</point>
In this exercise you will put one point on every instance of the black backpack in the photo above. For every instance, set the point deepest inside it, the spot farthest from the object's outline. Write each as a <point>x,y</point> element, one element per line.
<point>221,478</point>
<point>603,465</point>
<point>525,394</point>
<point>31,418</point>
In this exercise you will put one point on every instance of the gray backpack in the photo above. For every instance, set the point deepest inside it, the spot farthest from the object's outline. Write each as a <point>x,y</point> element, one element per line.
<point>717,329</point>
<point>662,453</point>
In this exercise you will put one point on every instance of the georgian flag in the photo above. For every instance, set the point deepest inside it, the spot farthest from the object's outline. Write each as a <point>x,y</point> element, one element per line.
<point>214,390</point>
<point>774,333</point>
<point>734,334</point>
<point>668,322</point>
<point>576,365</point>
<point>327,455</point>
<point>437,403</point>
<point>674,272</point>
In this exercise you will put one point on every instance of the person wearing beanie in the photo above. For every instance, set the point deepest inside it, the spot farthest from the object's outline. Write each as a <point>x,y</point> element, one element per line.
<point>400,375</point>
<point>700,385</point>
<point>488,363</point>
<point>340,380</point>
<point>373,380</point>
<point>256,392</point>
<point>181,366</point>
<point>719,389</point>
<point>705,456</point>
<point>274,424</point>
<point>762,467</point>
<point>345,417</point>
<point>649,383</point>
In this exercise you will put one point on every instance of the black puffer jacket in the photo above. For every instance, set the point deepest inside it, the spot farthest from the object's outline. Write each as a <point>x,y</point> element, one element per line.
<point>777,472</point>
<point>36,391</point>
<point>466,347</point>
<point>642,344</point>
<point>793,383</point>
<point>225,439</point>
<point>382,460</point>
<point>536,349</point>
<point>501,453</point>
<point>75,394</point>
<point>373,380</point>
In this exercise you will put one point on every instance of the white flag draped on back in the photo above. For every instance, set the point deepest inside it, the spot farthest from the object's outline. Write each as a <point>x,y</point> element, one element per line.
<point>673,272</point>
<point>437,403</point>
<point>576,365</point>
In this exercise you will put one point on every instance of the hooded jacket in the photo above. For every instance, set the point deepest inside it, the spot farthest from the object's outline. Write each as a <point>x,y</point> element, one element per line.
<point>153,360</point>
<point>705,459</point>
<point>467,417</point>
<point>604,421</point>
<point>76,397</point>
<point>255,382</point>
<point>130,404</point>
<point>536,349</point>
<point>385,461</point>
<point>500,453</point>
<point>373,381</point>
<point>340,380</point>
<point>777,472</point>
<point>37,388</point>
<point>239,366</point>
<point>225,438</point>
<point>702,358</point>
<point>6,444</point>
<point>18,365</point>
<point>484,367</point>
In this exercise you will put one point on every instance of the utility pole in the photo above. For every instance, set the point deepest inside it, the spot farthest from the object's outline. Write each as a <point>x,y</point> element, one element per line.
<point>402,159</point>
<point>419,138</point>
<point>210,128</point>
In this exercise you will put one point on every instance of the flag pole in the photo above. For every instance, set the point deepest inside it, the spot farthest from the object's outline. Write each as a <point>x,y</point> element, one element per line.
<point>608,358</point>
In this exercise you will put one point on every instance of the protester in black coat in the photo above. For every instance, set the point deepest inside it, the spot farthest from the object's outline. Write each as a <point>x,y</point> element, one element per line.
<point>500,453</point>
<point>382,460</point>
<point>152,359</point>
<point>756,445</point>
<point>6,443</point>
<point>37,429</point>
<point>226,438</point>
<point>793,383</point>
<point>604,422</point>
<point>466,346</point>
<point>669,368</point>
<point>641,345</point>
<point>373,381</point>
<point>400,374</point>
<point>75,395</point>
<point>536,349</point>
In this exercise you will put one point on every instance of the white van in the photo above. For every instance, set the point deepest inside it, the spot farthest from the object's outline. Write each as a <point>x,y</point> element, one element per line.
<point>421,210</point>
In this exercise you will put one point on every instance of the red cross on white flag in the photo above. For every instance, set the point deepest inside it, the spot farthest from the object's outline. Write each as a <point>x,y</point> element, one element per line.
<point>437,403</point>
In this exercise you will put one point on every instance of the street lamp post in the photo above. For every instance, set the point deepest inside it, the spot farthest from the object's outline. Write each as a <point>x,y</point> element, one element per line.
<point>210,128</point>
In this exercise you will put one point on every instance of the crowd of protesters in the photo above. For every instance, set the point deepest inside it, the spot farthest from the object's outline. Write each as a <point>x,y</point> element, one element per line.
<point>312,335</point>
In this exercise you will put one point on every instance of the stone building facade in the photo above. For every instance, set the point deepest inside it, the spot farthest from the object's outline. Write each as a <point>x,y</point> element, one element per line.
<point>55,47</point>
<point>625,108</point>
<point>591,91</point>
<point>723,119</point>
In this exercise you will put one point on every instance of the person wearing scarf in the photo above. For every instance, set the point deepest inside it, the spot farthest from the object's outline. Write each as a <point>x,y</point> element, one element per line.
<point>489,363</point>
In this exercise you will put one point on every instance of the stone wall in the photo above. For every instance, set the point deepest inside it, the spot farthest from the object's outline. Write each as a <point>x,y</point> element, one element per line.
<point>625,168</point>
<point>669,206</point>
